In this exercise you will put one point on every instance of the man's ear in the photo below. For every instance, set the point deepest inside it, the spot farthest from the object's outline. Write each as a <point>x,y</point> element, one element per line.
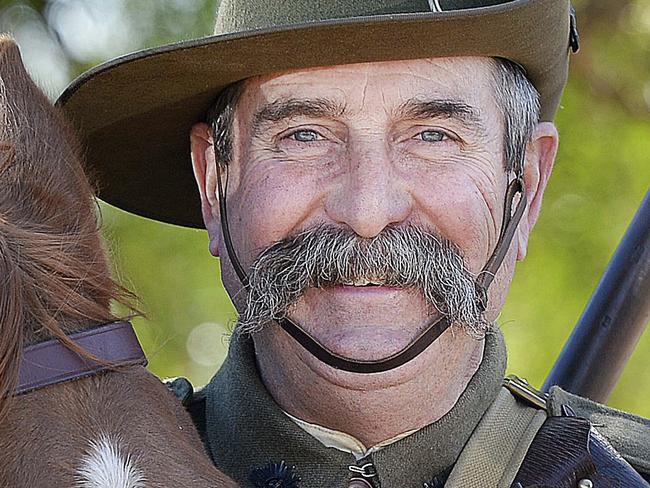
<point>204,166</point>
<point>540,156</point>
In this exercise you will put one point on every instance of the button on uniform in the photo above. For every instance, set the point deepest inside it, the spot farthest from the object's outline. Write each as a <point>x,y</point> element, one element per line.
<point>361,475</point>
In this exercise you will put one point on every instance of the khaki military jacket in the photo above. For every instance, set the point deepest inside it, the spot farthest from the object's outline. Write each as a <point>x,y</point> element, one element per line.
<point>251,439</point>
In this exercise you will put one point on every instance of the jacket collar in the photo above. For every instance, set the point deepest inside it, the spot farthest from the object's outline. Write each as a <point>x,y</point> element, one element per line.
<point>246,429</point>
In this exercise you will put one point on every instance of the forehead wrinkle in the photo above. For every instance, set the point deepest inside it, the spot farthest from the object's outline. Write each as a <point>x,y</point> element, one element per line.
<point>419,108</point>
<point>286,108</point>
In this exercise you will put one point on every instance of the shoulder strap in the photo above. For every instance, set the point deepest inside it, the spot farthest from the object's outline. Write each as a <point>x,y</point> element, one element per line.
<point>497,448</point>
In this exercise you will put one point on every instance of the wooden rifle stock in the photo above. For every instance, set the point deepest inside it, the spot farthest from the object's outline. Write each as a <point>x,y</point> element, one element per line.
<point>612,323</point>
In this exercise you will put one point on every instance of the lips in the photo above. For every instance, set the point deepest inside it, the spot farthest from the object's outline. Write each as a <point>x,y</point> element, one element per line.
<point>365,290</point>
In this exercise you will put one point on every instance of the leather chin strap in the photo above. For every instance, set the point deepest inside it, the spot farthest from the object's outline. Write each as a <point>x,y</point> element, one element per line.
<point>508,227</point>
<point>434,329</point>
<point>424,340</point>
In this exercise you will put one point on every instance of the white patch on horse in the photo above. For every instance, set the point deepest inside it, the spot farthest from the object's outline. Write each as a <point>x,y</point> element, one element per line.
<point>106,466</point>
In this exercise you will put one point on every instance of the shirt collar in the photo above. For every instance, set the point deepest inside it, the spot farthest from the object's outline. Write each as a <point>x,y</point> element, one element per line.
<point>342,441</point>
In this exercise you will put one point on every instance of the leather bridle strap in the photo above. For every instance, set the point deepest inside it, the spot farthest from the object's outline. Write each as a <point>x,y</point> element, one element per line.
<point>432,332</point>
<point>49,363</point>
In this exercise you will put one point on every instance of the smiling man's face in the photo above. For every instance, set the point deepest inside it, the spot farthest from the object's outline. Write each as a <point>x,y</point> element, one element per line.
<point>367,148</point>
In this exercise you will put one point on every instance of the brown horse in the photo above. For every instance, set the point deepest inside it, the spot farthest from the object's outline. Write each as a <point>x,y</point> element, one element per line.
<point>118,429</point>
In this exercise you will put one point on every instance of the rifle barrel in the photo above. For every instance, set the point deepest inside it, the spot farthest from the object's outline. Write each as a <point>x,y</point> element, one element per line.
<point>612,323</point>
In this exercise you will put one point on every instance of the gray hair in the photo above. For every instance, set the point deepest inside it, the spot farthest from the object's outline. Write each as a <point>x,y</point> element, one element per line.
<point>519,103</point>
<point>514,93</point>
<point>325,256</point>
<point>221,118</point>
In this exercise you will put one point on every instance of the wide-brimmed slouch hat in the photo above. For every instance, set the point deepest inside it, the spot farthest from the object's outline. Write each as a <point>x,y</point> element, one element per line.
<point>134,113</point>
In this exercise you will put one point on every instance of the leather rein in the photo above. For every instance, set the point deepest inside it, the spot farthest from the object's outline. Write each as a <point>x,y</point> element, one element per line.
<point>49,363</point>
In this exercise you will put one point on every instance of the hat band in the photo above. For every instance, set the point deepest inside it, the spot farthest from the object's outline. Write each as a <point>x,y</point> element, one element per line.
<point>241,16</point>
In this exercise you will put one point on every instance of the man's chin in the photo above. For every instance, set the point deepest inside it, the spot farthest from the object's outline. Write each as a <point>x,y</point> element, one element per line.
<point>363,323</point>
<point>358,342</point>
<point>367,342</point>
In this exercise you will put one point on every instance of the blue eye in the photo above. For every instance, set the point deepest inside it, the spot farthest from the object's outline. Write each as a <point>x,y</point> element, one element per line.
<point>432,136</point>
<point>306,135</point>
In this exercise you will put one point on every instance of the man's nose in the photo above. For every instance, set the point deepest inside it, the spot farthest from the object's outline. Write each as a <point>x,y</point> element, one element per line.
<point>370,195</point>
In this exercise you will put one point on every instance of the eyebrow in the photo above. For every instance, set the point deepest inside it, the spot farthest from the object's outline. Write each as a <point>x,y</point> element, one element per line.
<point>441,108</point>
<point>286,108</point>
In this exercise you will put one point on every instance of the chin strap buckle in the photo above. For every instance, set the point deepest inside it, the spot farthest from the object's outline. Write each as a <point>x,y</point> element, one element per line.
<point>508,227</point>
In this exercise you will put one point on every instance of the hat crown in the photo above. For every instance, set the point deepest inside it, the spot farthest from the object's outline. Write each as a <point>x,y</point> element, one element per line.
<point>246,15</point>
<point>127,96</point>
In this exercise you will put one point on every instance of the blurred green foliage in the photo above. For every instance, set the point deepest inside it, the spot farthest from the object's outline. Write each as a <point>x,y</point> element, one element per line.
<point>601,175</point>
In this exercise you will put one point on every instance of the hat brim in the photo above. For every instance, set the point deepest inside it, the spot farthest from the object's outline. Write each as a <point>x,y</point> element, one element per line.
<point>134,113</point>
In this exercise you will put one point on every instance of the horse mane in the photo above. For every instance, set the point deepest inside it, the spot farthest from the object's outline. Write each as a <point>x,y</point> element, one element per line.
<point>54,272</point>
